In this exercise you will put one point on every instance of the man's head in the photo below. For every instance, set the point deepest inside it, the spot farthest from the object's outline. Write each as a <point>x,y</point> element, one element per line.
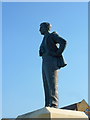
<point>45,28</point>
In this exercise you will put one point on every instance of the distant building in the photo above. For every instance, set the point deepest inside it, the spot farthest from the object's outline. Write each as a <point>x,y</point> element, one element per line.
<point>80,106</point>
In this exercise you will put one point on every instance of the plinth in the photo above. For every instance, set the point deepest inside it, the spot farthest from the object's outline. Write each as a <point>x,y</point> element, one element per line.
<point>48,112</point>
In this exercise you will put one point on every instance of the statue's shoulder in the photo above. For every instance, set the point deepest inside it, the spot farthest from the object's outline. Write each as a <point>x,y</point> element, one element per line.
<point>54,34</point>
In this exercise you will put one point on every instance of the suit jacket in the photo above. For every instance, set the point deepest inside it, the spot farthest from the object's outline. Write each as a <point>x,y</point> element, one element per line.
<point>51,41</point>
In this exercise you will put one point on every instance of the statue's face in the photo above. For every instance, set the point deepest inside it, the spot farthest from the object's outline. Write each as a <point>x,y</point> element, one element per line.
<point>43,29</point>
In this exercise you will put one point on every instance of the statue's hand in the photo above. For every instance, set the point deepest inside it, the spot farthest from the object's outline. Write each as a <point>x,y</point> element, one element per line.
<point>41,51</point>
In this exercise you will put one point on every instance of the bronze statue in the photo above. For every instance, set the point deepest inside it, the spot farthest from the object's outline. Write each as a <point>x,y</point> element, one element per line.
<point>51,50</point>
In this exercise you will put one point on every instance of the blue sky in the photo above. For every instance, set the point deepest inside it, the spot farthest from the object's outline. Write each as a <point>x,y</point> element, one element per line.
<point>0,59</point>
<point>22,78</point>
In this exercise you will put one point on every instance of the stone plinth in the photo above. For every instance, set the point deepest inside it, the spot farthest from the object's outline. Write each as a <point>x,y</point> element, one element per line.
<point>48,112</point>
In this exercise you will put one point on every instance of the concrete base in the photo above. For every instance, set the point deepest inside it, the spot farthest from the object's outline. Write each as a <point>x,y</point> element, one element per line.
<point>48,112</point>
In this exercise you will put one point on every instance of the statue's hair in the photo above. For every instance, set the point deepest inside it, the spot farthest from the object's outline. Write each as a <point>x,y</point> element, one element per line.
<point>48,25</point>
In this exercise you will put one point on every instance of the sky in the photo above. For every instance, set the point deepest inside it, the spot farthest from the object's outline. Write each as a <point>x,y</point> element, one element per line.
<point>0,59</point>
<point>22,86</point>
<point>45,0</point>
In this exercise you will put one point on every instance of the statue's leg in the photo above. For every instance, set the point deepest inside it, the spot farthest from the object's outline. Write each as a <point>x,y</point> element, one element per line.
<point>46,87</point>
<point>50,78</point>
<point>51,73</point>
<point>53,86</point>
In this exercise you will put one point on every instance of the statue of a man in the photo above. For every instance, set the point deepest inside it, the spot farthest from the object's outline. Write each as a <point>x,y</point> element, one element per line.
<point>51,50</point>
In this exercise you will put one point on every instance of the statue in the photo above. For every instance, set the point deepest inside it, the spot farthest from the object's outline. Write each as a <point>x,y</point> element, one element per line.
<point>51,50</point>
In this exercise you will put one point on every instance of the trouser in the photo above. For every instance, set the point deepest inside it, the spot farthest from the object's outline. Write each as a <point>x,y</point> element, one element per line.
<point>50,81</point>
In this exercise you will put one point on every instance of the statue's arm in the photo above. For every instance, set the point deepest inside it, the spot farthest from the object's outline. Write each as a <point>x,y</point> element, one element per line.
<point>62,43</point>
